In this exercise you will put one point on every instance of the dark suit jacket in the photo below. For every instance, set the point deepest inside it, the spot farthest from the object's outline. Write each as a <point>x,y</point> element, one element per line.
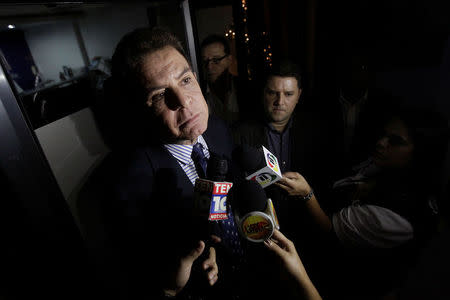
<point>146,202</point>
<point>310,142</point>
<point>312,155</point>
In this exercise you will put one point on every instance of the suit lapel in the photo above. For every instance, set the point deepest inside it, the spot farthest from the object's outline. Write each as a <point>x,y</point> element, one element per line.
<point>167,167</point>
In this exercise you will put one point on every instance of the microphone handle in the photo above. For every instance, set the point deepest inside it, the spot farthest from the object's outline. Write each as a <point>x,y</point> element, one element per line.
<point>209,242</point>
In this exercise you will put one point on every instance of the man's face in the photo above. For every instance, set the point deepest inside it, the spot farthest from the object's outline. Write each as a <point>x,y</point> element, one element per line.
<point>281,95</point>
<point>215,61</point>
<point>174,96</point>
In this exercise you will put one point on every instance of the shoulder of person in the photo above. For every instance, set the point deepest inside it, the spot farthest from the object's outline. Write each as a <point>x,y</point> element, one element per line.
<point>216,123</point>
<point>246,131</point>
<point>218,136</point>
<point>117,169</point>
<point>123,162</point>
<point>249,124</point>
<point>312,120</point>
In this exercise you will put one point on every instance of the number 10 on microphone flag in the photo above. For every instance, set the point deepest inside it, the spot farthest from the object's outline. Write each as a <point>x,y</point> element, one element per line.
<point>218,209</point>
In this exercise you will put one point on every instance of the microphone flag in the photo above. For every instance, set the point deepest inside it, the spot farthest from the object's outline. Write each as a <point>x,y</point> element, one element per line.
<point>270,173</point>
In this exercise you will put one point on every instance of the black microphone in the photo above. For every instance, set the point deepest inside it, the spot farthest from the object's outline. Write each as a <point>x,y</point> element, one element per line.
<point>249,158</point>
<point>253,212</point>
<point>217,169</point>
<point>210,194</point>
<point>258,164</point>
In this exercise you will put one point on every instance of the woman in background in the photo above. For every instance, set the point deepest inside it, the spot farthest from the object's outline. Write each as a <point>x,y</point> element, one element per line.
<point>385,210</point>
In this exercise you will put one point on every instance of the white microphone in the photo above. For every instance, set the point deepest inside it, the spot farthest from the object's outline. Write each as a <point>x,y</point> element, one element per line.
<point>259,165</point>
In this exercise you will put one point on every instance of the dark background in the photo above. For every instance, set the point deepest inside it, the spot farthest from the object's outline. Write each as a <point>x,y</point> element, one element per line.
<point>407,43</point>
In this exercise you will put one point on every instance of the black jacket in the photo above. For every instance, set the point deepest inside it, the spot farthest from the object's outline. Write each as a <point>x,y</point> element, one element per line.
<point>146,203</point>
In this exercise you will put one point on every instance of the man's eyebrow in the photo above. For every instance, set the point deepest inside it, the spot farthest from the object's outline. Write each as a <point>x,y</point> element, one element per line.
<point>185,70</point>
<point>155,88</point>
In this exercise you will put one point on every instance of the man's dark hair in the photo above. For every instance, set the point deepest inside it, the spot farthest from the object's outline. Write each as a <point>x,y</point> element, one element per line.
<point>284,68</point>
<point>121,113</point>
<point>215,38</point>
<point>128,55</point>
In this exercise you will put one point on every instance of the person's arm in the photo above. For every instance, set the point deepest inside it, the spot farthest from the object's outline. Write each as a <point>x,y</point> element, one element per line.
<point>292,264</point>
<point>296,185</point>
<point>183,271</point>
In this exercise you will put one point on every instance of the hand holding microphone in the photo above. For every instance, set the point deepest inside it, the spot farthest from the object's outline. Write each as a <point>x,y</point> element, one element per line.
<point>262,166</point>
<point>285,250</point>
<point>294,184</point>
<point>258,164</point>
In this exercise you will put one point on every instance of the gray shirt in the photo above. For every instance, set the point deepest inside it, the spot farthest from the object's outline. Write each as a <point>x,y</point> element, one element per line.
<point>280,145</point>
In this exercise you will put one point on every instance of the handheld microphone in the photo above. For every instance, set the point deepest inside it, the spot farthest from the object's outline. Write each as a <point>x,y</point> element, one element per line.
<point>210,195</point>
<point>253,212</point>
<point>259,164</point>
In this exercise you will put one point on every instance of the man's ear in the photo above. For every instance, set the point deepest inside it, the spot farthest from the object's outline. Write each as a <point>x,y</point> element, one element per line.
<point>299,94</point>
<point>229,59</point>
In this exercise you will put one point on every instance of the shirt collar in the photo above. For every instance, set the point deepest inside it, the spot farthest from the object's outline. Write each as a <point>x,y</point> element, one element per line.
<point>288,126</point>
<point>183,153</point>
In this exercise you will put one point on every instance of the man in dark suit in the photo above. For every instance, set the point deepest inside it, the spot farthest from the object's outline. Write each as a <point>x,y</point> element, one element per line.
<point>298,137</point>
<point>300,140</point>
<point>163,138</point>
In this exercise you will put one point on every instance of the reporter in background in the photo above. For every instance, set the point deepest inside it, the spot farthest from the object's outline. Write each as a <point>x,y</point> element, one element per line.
<point>300,139</point>
<point>384,212</point>
<point>223,87</point>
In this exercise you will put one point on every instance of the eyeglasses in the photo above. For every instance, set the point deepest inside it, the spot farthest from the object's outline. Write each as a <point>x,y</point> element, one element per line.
<point>214,60</point>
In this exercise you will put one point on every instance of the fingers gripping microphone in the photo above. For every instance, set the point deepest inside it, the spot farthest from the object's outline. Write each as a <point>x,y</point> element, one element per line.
<point>253,211</point>
<point>259,164</point>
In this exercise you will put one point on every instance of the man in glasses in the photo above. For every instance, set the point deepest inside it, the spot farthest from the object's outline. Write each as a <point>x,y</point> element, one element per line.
<point>221,91</point>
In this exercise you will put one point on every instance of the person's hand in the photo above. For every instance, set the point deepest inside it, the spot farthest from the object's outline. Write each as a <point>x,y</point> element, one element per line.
<point>183,271</point>
<point>294,184</point>
<point>285,250</point>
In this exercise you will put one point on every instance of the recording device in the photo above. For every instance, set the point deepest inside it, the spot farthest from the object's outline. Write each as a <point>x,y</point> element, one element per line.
<point>258,164</point>
<point>210,195</point>
<point>253,212</point>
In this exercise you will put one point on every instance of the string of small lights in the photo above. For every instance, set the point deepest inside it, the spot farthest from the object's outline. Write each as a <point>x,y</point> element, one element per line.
<point>260,41</point>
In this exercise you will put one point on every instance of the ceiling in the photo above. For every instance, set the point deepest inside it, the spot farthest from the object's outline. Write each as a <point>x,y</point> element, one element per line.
<point>22,14</point>
<point>23,10</point>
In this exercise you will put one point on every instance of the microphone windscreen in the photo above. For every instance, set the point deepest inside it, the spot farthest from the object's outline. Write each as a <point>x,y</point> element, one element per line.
<point>247,196</point>
<point>217,168</point>
<point>249,158</point>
